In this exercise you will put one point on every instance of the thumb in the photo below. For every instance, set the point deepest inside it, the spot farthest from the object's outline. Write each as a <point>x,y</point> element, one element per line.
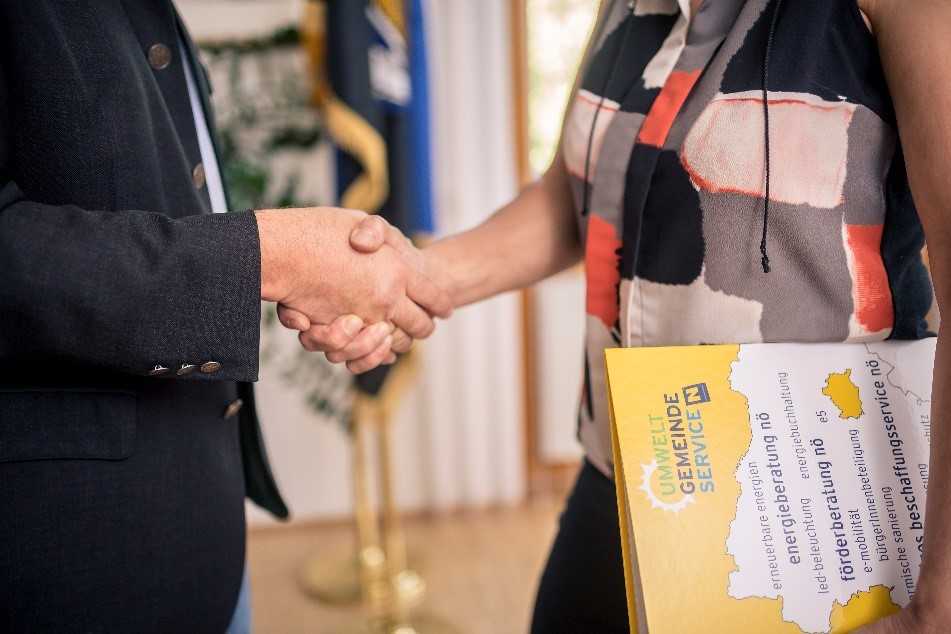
<point>369,235</point>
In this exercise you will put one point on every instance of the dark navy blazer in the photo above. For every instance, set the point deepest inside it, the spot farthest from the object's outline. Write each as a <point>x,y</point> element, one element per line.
<point>129,326</point>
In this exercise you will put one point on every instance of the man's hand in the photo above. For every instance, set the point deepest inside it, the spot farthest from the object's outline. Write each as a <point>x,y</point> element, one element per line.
<point>356,346</point>
<point>329,291</point>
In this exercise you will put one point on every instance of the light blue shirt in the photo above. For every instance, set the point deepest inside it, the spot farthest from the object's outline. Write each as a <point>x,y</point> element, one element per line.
<point>216,190</point>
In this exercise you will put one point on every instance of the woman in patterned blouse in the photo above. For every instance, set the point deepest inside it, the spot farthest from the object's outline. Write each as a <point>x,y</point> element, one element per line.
<point>735,171</point>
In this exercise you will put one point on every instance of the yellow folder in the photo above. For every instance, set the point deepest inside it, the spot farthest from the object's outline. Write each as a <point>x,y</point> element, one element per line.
<point>770,487</point>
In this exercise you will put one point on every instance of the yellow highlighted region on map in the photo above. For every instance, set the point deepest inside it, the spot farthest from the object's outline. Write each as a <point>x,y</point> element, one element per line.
<point>844,394</point>
<point>862,608</point>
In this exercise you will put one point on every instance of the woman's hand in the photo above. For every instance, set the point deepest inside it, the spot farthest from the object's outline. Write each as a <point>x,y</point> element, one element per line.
<point>911,620</point>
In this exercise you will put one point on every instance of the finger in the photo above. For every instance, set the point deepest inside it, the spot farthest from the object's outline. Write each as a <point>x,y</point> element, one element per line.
<point>369,339</point>
<point>292,319</point>
<point>369,235</point>
<point>402,342</point>
<point>390,360</point>
<point>403,245</point>
<point>373,359</point>
<point>412,319</point>
<point>333,337</point>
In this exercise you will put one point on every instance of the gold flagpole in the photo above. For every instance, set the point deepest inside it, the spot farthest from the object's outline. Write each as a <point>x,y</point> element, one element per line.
<point>394,603</point>
<point>371,557</point>
<point>344,581</point>
<point>391,591</point>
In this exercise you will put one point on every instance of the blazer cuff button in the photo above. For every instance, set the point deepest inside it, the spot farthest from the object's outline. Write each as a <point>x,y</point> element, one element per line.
<point>186,369</point>
<point>210,367</point>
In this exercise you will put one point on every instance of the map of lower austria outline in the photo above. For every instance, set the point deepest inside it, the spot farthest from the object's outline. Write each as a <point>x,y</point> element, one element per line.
<point>822,523</point>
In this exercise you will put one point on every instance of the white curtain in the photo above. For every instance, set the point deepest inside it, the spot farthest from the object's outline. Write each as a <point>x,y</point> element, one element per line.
<point>472,387</point>
<point>458,436</point>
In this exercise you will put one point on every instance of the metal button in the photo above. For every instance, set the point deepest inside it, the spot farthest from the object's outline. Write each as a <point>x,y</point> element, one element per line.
<point>159,56</point>
<point>233,408</point>
<point>198,176</point>
<point>186,369</point>
<point>210,367</point>
<point>158,370</point>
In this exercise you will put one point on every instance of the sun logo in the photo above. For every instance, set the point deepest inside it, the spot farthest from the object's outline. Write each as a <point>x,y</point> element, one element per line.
<point>672,507</point>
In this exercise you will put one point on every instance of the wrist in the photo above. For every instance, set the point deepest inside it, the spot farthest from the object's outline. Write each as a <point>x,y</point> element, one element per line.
<point>273,252</point>
<point>454,271</point>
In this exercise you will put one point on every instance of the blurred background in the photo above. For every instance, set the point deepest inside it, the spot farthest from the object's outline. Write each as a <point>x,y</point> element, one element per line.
<point>461,455</point>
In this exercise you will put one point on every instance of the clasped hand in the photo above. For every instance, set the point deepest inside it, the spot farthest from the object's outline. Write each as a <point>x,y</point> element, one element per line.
<point>352,285</point>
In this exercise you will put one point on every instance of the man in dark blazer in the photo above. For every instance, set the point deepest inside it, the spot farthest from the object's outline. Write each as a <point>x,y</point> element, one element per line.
<point>129,324</point>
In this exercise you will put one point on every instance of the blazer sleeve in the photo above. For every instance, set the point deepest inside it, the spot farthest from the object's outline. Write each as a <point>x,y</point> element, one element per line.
<point>125,291</point>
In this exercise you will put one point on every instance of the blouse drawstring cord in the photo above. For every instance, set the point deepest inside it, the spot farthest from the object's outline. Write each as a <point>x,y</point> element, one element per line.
<point>769,46</point>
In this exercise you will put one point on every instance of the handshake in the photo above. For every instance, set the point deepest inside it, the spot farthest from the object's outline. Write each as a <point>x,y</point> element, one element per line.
<point>352,285</point>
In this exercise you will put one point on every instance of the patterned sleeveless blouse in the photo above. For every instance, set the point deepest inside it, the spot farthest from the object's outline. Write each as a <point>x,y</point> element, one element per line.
<point>665,144</point>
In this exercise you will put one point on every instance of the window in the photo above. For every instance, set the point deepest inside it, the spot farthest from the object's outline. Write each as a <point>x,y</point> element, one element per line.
<point>557,33</point>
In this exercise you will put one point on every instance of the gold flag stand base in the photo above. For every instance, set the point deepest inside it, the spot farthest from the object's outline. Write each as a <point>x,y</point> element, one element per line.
<point>337,581</point>
<point>334,581</point>
<point>377,574</point>
<point>401,613</point>
<point>421,624</point>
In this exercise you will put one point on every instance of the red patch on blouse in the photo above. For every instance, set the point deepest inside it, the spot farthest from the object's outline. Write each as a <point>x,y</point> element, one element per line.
<point>873,297</point>
<point>664,110</point>
<point>601,270</point>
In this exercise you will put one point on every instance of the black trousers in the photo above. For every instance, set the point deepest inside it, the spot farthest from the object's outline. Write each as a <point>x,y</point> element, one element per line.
<point>582,588</point>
